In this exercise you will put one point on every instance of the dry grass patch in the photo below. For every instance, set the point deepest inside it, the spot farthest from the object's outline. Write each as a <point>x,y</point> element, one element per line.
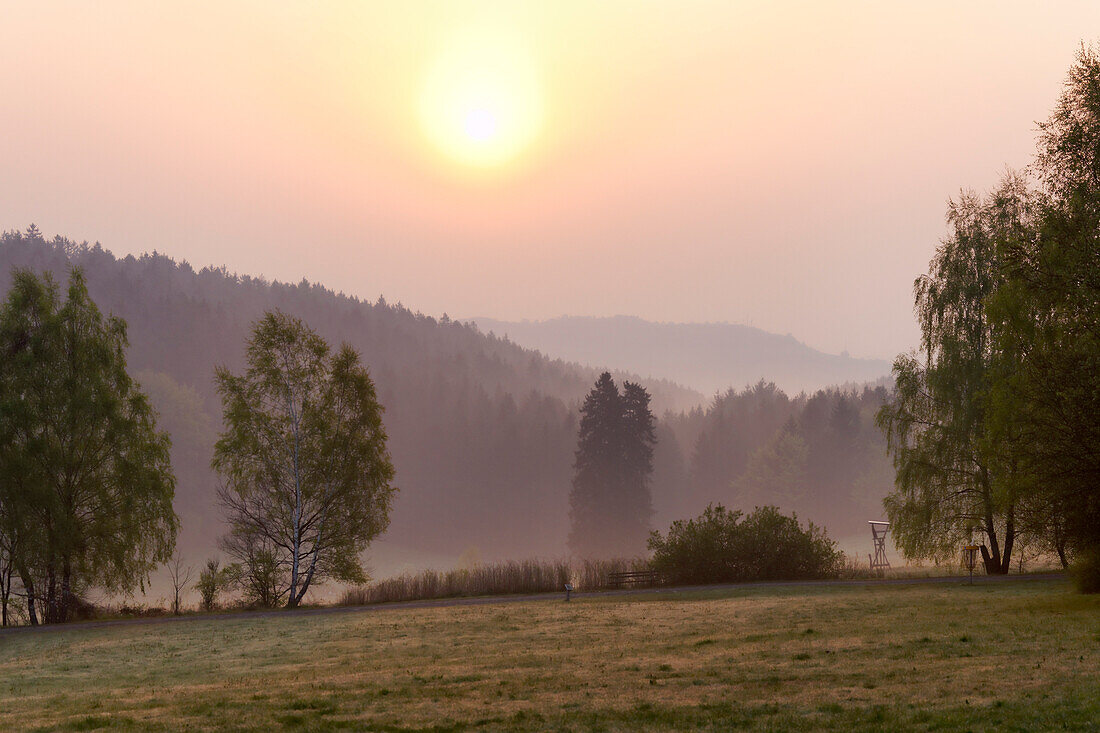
<point>1018,654</point>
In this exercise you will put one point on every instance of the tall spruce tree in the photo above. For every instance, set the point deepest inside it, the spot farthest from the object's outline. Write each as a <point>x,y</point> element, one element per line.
<point>610,503</point>
<point>639,433</point>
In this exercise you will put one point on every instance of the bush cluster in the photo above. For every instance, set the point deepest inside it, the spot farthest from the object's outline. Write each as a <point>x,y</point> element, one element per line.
<point>1086,571</point>
<point>723,546</point>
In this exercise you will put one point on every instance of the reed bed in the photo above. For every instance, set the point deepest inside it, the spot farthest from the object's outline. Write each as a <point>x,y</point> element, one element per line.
<point>502,578</point>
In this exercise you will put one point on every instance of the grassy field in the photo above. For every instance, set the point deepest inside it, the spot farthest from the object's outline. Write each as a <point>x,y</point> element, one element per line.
<point>1000,656</point>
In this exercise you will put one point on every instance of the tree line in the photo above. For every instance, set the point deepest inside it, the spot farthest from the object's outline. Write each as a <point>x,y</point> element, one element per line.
<point>473,420</point>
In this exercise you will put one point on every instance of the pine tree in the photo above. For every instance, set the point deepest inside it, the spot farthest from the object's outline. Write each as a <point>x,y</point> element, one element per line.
<point>610,504</point>
<point>639,433</point>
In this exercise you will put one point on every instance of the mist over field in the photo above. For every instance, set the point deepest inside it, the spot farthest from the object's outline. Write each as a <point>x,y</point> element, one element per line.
<point>523,366</point>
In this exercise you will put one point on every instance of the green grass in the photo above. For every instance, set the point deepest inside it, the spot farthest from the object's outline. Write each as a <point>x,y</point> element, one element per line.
<point>1021,655</point>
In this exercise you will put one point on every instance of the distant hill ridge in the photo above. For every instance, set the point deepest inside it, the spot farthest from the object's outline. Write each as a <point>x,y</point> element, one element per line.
<point>709,357</point>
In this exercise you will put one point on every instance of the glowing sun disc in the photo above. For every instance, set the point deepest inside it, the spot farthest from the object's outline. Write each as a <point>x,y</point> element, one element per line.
<point>481,102</point>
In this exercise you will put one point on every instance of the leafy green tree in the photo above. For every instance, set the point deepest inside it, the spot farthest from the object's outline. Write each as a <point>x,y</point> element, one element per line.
<point>85,482</point>
<point>951,481</point>
<point>307,477</point>
<point>610,503</point>
<point>1049,407</point>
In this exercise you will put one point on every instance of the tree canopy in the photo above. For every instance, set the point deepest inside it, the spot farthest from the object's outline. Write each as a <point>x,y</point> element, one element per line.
<point>1048,408</point>
<point>304,460</point>
<point>85,482</point>
<point>952,483</point>
<point>997,429</point>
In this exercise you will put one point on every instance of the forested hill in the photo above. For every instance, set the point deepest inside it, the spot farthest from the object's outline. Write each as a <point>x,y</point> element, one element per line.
<point>482,431</point>
<point>709,357</point>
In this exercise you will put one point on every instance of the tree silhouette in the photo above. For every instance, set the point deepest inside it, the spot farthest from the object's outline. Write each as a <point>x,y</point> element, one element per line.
<point>610,503</point>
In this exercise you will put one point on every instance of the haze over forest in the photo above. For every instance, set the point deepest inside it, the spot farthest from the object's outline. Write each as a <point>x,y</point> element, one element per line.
<point>482,431</point>
<point>541,168</point>
<point>526,366</point>
<point>709,357</point>
<point>779,164</point>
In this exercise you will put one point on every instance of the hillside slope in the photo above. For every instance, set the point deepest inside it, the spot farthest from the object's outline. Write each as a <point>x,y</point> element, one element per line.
<point>482,431</point>
<point>709,357</point>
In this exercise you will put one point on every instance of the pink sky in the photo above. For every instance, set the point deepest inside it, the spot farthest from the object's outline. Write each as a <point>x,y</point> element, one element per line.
<point>784,165</point>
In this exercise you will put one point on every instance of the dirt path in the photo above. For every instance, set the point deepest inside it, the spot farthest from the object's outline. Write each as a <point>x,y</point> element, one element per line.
<point>493,600</point>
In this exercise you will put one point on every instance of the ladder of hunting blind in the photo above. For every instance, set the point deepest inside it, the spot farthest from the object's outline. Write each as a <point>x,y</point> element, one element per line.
<point>878,538</point>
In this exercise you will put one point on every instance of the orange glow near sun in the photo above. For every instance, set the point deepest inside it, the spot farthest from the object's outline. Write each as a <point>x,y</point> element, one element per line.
<point>481,101</point>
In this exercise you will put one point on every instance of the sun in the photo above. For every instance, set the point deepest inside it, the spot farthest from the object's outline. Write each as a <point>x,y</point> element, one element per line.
<point>481,100</point>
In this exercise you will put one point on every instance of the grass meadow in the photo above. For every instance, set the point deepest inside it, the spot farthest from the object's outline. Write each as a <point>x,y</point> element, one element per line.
<point>1016,655</point>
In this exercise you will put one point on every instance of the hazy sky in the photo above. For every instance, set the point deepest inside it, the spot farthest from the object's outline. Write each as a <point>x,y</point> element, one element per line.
<point>784,165</point>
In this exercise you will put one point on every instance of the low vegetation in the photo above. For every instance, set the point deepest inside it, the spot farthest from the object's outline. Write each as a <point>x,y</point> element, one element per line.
<point>527,576</point>
<point>723,546</point>
<point>836,657</point>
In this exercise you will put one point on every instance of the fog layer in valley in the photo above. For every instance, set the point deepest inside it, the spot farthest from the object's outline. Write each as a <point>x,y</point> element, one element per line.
<point>482,431</point>
<point>708,357</point>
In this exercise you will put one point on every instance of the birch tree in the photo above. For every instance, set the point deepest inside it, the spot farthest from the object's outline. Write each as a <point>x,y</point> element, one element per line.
<point>1050,312</point>
<point>953,485</point>
<point>307,478</point>
<point>86,485</point>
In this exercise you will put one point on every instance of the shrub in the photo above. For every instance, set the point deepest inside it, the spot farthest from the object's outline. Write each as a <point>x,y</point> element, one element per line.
<point>723,546</point>
<point>213,579</point>
<point>259,577</point>
<point>1086,571</point>
<point>135,611</point>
